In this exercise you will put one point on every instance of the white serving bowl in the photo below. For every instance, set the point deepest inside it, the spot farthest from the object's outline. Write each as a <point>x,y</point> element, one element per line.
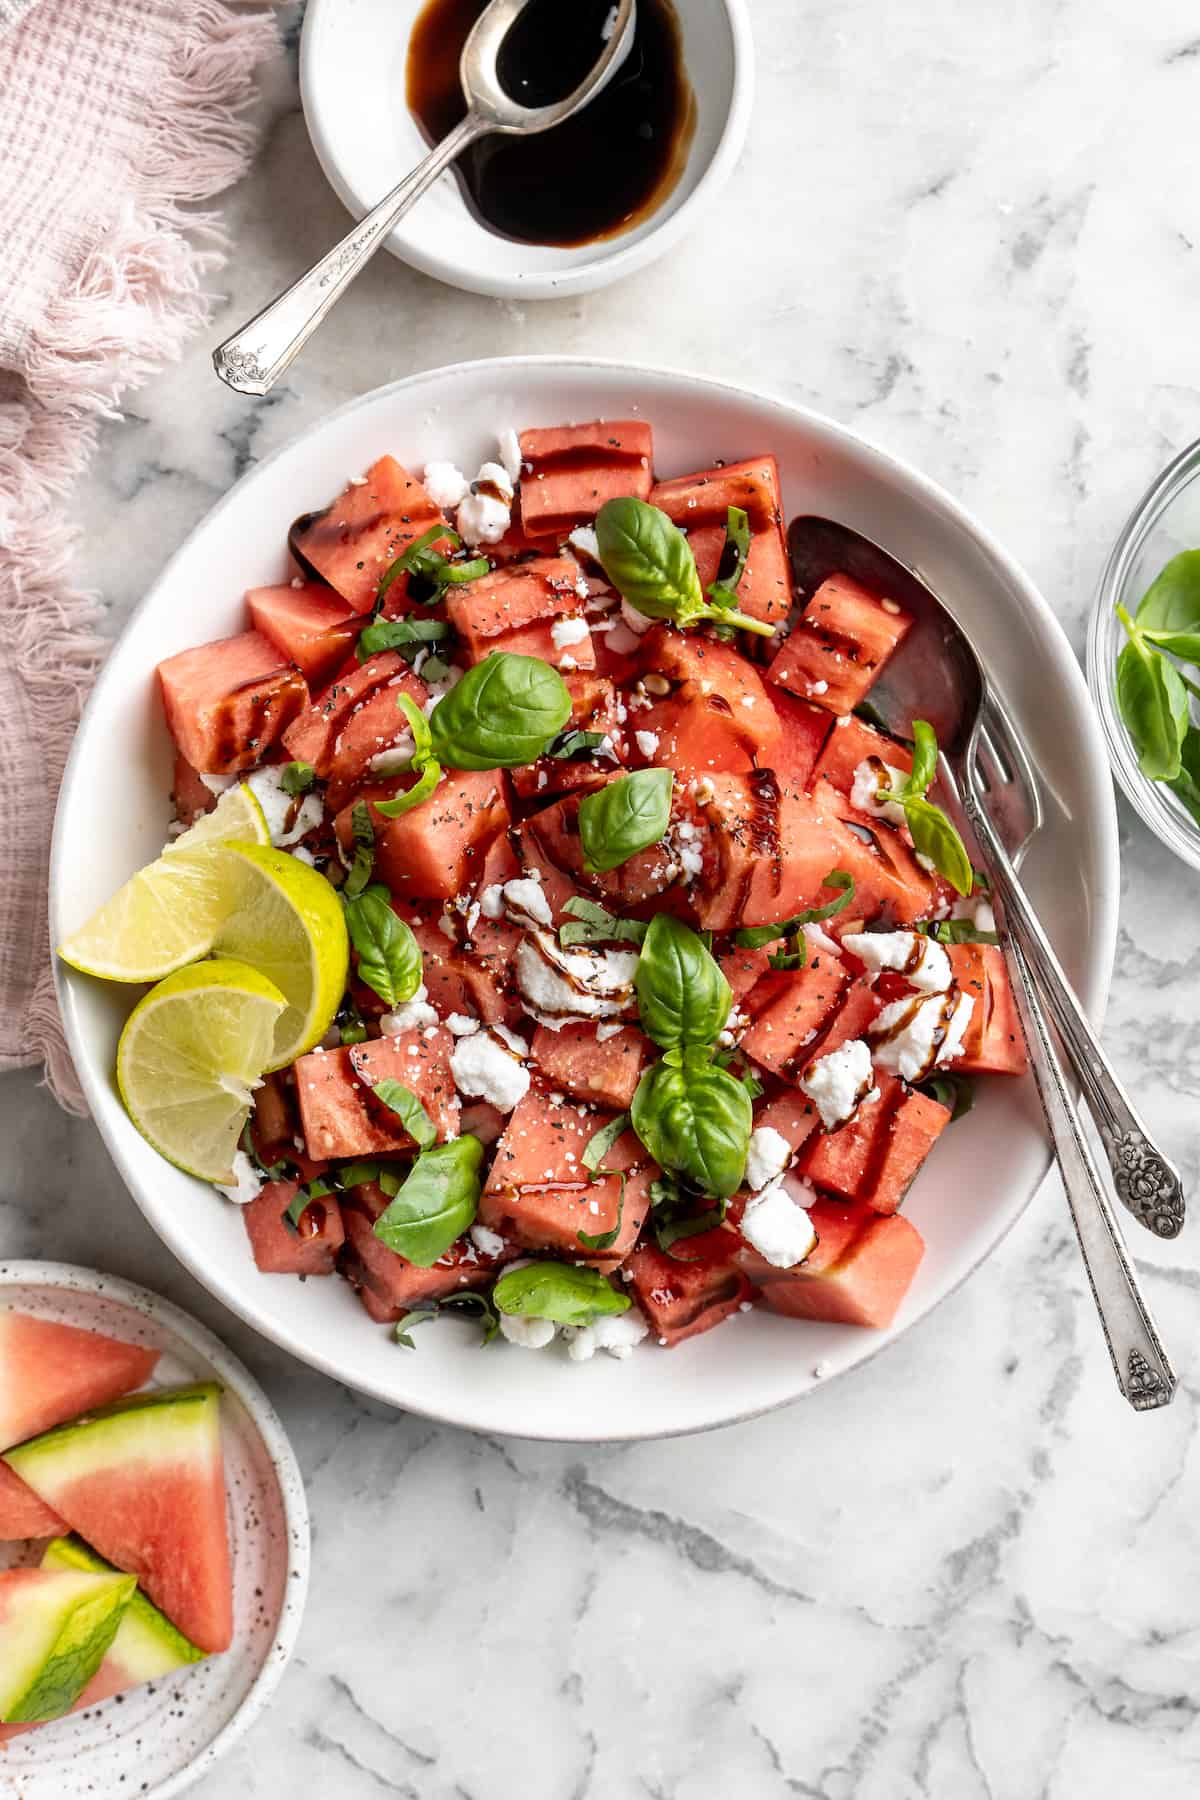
<point>155,1741</point>
<point>352,83</point>
<point>114,811</point>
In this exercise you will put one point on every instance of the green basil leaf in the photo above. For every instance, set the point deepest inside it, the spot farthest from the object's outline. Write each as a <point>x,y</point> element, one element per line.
<point>1153,704</point>
<point>723,591</point>
<point>683,998</point>
<point>574,744</point>
<point>624,816</point>
<point>467,1302</point>
<point>356,1174</point>
<point>591,924</point>
<point>501,715</point>
<point>408,1109</point>
<point>754,937</point>
<point>389,957</point>
<point>411,560</point>
<point>299,1206</point>
<point>1186,785</point>
<point>409,636</point>
<point>956,931</point>
<point>935,837</point>
<point>364,851</point>
<point>925,760</point>
<point>418,724</point>
<point>297,778</point>
<point>1169,613</point>
<point>421,790</point>
<point>602,1141</point>
<point>953,1091</point>
<point>604,1240</point>
<point>420,1315</point>
<point>696,1121</point>
<point>350,1021</point>
<point>649,561</point>
<point>564,1292</point>
<point>436,1204</point>
<point>795,958</point>
<point>670,1231</point>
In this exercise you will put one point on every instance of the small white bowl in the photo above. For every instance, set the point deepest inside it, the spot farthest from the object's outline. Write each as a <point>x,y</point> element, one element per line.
<point>352,82</point>
<point>156,1740</point>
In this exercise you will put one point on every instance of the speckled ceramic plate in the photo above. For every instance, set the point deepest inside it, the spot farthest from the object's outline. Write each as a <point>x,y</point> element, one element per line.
<point>156,1740</point>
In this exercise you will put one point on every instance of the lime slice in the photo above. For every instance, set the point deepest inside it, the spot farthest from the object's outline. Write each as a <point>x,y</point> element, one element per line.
<point>285,920</point>
<point>166,914</point>
<point>189,1057</point>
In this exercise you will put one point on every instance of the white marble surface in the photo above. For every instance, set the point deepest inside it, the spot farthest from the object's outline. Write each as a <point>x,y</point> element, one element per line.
<point>968,1572</point>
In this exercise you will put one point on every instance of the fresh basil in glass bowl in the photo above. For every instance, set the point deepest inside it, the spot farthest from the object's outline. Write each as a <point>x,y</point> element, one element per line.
<point>1149,703</point>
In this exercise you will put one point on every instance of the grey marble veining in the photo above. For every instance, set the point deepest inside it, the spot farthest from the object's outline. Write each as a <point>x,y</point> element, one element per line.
<point>967,1572</point>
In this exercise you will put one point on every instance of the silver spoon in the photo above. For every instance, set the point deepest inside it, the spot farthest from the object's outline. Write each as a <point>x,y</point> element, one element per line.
<point>936,674</point>
<point>254,358</point>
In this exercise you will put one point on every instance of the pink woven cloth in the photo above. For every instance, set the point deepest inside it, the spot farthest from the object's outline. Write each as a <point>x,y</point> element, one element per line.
<point>117,117</point>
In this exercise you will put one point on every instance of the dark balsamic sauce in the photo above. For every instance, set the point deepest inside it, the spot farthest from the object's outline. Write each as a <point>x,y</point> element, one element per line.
<point>597,174</point>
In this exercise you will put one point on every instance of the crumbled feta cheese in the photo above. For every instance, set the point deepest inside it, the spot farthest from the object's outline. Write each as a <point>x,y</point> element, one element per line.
<point>911,1037</point>
<point>445,484</point>
<point>919,959</point>
<point>568,631</point>
<point>524,902</point>
<point>487,1069</point>
<point>633,620</point>
<point>482,519</point>
<point>413,1015</point>
<point>605,1032</point>
<point>647,742</point>
<point>488,1243</point>
<point>280,807</point>
<point>217,784</point>
<point>530,1334</point>
<point>978,909</point>
<point>462,1025</point>
<point>839,1082</point>
<point>872,776</point>
<point>584,540</point>
<point>246,1184</point>
<point>779,1229</point>
<point>396,759</point>
<point>767,1156</point>
<point>509,451</point>
<point>618,1333</point>
<point>560,985</point>
<point>818,687</point>
<point>304,855</point>
<point>491,901</point>
<point>819,940</point>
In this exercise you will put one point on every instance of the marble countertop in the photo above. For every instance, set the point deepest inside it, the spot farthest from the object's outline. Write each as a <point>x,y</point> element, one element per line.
<point>967,1572</point>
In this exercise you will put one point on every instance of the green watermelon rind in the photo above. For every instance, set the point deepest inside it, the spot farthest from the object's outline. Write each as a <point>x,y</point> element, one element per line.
<point>99,1439</point>
<point>147,1643</point>
<point>84,1637</point>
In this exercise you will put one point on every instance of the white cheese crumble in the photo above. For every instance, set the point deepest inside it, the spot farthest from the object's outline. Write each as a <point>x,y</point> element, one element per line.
<point>246,1184</point>
<point>618,1333</point>
<point>525,903</point>
<point>411,1015</point>
<point>779,1229</point>
<point>839,1082</point>
<point>217,784</point>
<point>509,452</point>
<point>817,939</point>
<point>647,742</point>
<point>768,1155</point>
<point>396,759</point>
<point>633,620</point>
<point>491,901</point>
<point>530,1334</point>
<point>904,1035</point>
<point>872,776</point>
<point>622,641</point>
<point>486,1069</point>
<point>919,959</point>
<point>279,806</point>
<point>487,1242</point>
<point>584,539</point>
<point>462,1025</point>
<point>560,985</point>
<point>568,631</point>
<point>978,910</point>
<point>484,518</point>
<point>445,484</point>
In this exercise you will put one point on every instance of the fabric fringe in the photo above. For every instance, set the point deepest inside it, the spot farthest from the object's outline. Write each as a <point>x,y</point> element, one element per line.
<point>135,302</point>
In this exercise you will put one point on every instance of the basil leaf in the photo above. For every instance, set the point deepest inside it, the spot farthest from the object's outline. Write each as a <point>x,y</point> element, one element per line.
<point>356,1174</point>
<point>1186,785</point>
<point>436,1204</point>
<point>349,1021</point>
<point>925,760</point>
<point>602,1141</point>
<point>795,958</point>
<point>420,1315</point>
<point>1169,613</point>
<point>953,1091</point>
<point>956,931</point>
<point>935,837</point>
<point>300,1205</point>
<point>604,1240</point>
<point>596,926</point>
<point>723,591</point>
<point>364,851</point>
<point>754,937</point>
<point>297,778</point>
<point>409,636</point>
<point>574,744</point>
<point>411,560</point>
<point>389,957</point>
<point>435,668</point>
<point>668,1231</point>
<point>501,715</point>
<point>416,795</point>
<point>564,1292</point>
<point>695,1120</point>
<point>468,1302</point>
<point>624,816</point>
<point>683,998</point>
<point>408,1109</point>
<point>418,724</point>
<point>1153,704</point>
<point>650,563</point>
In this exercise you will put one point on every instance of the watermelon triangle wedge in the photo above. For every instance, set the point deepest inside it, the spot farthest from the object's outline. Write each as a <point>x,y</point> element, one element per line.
<point>49,1373</point>
<point>22,1514</point>
<point>143,1481</point>
<point>56,1626</point>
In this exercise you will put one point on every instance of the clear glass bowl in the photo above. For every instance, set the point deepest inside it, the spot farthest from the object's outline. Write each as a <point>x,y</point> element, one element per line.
<point>1165,521</point>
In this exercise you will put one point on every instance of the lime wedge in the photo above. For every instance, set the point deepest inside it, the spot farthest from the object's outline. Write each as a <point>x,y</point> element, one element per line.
<point>166,914</point>
<point>189,1057</point>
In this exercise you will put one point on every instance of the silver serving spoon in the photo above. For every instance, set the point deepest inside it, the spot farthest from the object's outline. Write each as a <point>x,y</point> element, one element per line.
<point>936,674</point>
<point>254,358</point>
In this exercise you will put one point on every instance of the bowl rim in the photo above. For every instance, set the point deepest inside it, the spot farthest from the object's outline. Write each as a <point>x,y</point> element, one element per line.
<point>548,284</point>
<point>1149,799</point>
<point>883,462</point>
<point>234,1375</point>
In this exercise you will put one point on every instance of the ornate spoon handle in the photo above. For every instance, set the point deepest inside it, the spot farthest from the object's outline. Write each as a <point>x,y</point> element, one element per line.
<point>254,358</point>
<point>1146,1183</point>
<point>1144,1374</point>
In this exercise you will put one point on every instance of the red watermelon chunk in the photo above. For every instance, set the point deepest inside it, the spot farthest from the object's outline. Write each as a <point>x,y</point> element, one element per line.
<point>309,624</point>
<point>343,1118</point>
<point>743,968</point>
<point>789,1009</point>
<point>790,1114</point>
<point>994,1043</point>
<point>227,703</point>
<point>512,598</point>
<point>859,1272</point>
<point>375,725</point>
<point>314,734</point>
<point>593,708</point>
<point>804,733</point>
<point>191,797</point>
<point>839,644</point>
<point>387,1283</point>
<point>601,1072</point>
<point>309,1247</point>
<point>552,835</point>
<point>852,741</point>
<point>687,1294</point>
<point>876,1157</point>
<point>143,1482</point>
<point>471,977</point>
<point>436,851</point>
<point>885,869</point>
<point>700,504</point>
<point>717,714</point>
<point>571,470</point>
<point>50,1373</point>
<point>22,1514</point>
<point>354,542</point>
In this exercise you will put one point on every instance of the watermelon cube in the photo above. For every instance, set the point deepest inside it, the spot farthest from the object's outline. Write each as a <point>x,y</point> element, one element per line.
<point>854,1013</point>
<point>593,708</point>
<point>189,795</point>
<point>50,1373</point>
<point>767,850</point>
<point>387,1283</point>
<point>717,714</point>
<point>436,851</point>
<point>790,1114</point>
<point>804,733</point>
<point>309,624</point>
<point>994,1043</point>
<point>743,969</point>
<point>552,836</point>
<point>886,872</point>
<point>229,702</point>
<point>313,736</point>
<point>700,503</point>
<point>839,644</point>
<point>602,1073</point>
<point>852,741</point>
<point>916,1123</point>
<point>354,542</point>
<point>789,1009</point>
<point>309,1247</point>
<point>375,725</point>
<point>343,1118</point>
<point>472,977</point>
<point>571,470</point>
<point>510,598</point>
<point>687,1294</point>
<point>859,1272</point>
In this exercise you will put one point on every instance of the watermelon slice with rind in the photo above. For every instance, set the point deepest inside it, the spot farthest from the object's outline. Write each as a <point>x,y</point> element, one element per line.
<point>22,1514</point>
<point>56,1625</point>
<point>143,1482</point>
<point>50,1373</point>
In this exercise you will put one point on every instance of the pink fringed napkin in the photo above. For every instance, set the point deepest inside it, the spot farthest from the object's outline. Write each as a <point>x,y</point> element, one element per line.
<point>116,117</point>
